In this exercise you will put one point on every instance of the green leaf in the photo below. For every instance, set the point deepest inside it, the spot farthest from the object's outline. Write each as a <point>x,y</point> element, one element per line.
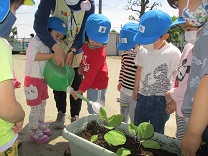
<point>145,130</point>
<point>116,120</point>
<point>115,137</point>
<point>103,115</point>
<point>132,129</point>
<point>109,127</point>
<point>123,152</point>
<point>94,138</point>
<point>150,144</point>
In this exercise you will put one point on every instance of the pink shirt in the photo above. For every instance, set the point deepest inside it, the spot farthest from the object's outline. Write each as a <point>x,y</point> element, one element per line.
<point>181,77</point>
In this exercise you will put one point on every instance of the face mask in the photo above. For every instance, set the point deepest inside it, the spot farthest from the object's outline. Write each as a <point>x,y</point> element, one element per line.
<point>198,17</point>
<point>191,36</point>
<point>7,24</point>
<point>149,47</point>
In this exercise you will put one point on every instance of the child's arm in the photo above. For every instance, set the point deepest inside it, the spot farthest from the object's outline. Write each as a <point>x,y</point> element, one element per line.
<point>192,139</point>
<point>136,82</point>
<point>43,56</point>
<point>10,109</point>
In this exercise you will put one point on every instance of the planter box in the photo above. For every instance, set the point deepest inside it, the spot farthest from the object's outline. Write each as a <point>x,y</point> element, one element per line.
<point>80,146</point>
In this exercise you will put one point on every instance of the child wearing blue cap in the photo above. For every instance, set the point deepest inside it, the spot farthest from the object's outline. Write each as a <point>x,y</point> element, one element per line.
<point>36,91</point>
<point>11,113</point>
<point>94,66</point>
<point>128,69</point>
<point>156,63</point>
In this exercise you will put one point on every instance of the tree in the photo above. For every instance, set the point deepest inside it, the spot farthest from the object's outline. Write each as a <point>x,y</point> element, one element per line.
<point>175,32</point>
<point>139,7</point>
<point>14,33</point>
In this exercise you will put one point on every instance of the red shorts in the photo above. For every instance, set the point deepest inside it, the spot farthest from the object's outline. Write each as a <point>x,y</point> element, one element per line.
<point>36,90</point>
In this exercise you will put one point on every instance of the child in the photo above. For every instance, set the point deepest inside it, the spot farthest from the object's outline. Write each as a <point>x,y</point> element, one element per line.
<point>175,96</point>
<point>11,113</point>
<point>36,91</point>
<point>128,70</point>
<point>156,63</point>
<point>195,100</point>
<point>94,65</point>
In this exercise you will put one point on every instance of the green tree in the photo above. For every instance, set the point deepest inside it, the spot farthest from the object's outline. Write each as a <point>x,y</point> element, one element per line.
<point>14,33</point>
<point>175,32</point>
<point>139,7</point>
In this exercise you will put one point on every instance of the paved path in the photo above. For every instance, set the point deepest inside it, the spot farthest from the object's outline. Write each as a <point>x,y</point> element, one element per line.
<point>57,144</point>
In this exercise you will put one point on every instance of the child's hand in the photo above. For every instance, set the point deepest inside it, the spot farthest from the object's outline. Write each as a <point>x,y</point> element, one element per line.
<point>80,70</point>
<point>171,107</point>
<point>134,95</point>
<point>18,126</point>
<point>74,92</point>
<point>168,97</point>
<point>17,84</point>
<point>119,87</point>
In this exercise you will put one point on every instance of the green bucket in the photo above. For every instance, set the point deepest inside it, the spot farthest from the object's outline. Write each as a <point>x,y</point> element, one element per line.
<point>58,78</point>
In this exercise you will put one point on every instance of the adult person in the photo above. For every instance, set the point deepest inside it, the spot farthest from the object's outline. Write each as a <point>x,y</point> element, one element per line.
<point>11,113</point>
<point>74,13</point>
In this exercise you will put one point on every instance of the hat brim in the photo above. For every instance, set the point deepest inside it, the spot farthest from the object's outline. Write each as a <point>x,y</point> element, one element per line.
<point>4,9</point>
<point>179,21</point>
<point>124,46</point>
<point>99,39</point>
<point>143,40</point>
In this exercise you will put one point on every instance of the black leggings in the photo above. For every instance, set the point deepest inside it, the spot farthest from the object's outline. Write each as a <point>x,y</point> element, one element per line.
<point>60,97</point>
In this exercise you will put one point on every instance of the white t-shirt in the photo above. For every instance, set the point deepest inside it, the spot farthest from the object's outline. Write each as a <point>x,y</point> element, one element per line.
<point>35,68</point>
<point>157,69</point>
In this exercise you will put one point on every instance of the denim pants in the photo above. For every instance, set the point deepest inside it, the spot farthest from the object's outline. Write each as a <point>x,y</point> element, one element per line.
<point>151,109</point>
<point>95,95</point>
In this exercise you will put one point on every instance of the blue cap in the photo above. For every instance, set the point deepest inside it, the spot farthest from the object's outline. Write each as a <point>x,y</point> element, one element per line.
<point>97,28</point>
<point>179,21</point>
<point>127,34</point>
<point>57,24</point>
<point>5,7</point>
<point>153,25</point>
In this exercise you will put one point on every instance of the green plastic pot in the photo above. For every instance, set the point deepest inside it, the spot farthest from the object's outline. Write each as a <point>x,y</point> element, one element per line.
<point>58,78</point>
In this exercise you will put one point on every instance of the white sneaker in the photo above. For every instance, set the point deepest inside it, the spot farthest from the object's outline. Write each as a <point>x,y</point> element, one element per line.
<point>60,120</point>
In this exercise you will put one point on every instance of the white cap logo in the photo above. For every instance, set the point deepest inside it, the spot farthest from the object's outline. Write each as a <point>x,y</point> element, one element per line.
<point>141,28</point>
<point>123,40</point>
<point>102,29</point>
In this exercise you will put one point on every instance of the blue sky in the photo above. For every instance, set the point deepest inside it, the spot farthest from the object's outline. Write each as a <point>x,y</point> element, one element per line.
<point>113,9</point>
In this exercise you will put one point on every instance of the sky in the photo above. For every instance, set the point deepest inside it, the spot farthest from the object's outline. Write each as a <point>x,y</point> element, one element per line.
<point>113,9</point>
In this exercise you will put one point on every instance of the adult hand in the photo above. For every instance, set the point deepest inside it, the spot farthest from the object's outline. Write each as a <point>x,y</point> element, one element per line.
<point>59,55</point>
<point>70,56</point>
<point>190,144</point>
<point>18,126</point>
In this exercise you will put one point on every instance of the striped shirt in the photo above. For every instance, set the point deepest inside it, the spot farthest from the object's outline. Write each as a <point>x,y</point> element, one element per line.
<point>127,71</point>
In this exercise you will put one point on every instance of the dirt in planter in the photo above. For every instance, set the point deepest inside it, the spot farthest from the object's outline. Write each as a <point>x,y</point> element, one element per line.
<point>93,128</point>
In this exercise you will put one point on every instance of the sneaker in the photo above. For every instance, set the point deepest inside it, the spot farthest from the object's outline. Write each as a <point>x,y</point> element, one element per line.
<point>38,136</point>
<point>67,151</point>
<point>44,128</point>
<point>60,120</point>
<point>76,117</point>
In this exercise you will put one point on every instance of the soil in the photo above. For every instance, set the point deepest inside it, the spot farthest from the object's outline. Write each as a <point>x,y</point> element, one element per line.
<point>93,128</point>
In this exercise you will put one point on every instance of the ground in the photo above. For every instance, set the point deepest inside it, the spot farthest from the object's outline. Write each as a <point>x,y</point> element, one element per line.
<point>57,144</point>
